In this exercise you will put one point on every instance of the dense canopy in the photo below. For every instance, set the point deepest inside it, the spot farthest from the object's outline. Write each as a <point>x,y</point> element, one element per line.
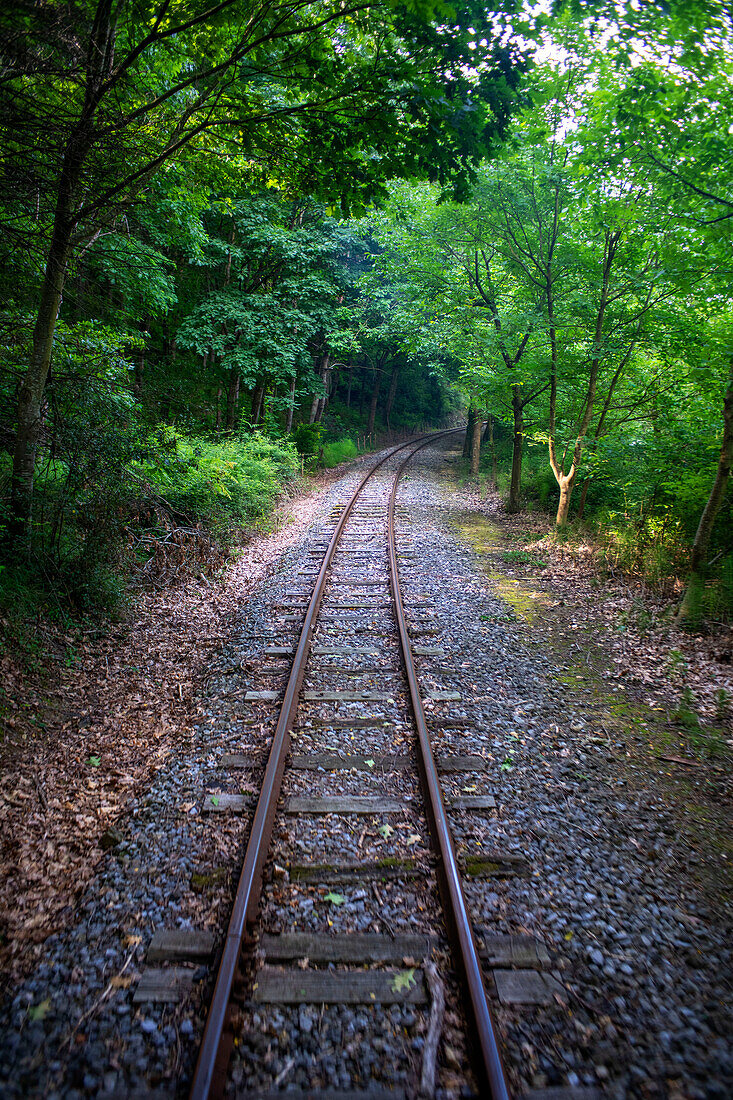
<point>233,232</point>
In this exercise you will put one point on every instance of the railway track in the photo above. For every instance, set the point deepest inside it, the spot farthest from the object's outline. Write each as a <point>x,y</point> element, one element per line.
<point>355,631</point>
<point>338,981</point>
<point>360,563</point>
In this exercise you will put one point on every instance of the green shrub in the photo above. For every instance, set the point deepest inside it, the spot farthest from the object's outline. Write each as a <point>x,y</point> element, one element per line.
<point>340,451</point>
<point>524,557</point>
<point>308,438</point>
<point>219,484</point>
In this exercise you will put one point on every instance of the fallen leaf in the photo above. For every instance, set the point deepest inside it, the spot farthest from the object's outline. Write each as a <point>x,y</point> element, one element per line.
<point>40,1011</point>
<point>403,981</point>
<point>120,981</point>
<point>334,898</point>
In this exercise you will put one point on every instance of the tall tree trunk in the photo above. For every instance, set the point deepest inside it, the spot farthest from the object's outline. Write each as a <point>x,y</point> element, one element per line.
<point>137,385</point>
<point>350,383</point>
<point>327,377</point>
<point>218,408</point>
<point>567,480</point>
<point>515,485</point>
<point>391,393</point>
<point>30,397</point>
<point>321,372</point>
<point>257,396</point>
<point>375,397</point>
<point>605,410</point>
<point>583,496</point>
<point>476,444</point>
<point>138,378</point>
<point>698,561</point>
<point>489,438</point>
<point>291,408</point>
<point>232,399</point>
<point>468,437</point>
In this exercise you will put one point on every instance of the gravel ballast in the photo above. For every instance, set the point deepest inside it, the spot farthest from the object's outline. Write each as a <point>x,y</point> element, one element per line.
<point>641,952</point>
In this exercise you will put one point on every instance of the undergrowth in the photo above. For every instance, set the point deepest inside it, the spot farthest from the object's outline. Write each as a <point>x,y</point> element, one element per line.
<point>173,499</point>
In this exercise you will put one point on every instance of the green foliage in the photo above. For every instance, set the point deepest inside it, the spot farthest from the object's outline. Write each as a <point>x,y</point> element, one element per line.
<point>341,450</point>
<point>722,704</point>
<point>219,484</point>
<point>684,714</point>
<point>308,438</point>
<point>523,557</point>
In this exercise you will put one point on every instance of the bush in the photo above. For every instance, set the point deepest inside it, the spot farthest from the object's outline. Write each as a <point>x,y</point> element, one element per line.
<point>307,438</point>
<point>340,451</point>
<point>219,484</point>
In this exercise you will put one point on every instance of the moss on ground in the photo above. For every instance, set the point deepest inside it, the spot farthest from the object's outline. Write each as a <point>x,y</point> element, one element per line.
<point>649,733</point>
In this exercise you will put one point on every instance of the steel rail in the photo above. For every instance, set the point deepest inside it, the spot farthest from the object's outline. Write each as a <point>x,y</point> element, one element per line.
<point>209,1077</point>
<point>486,1057</point>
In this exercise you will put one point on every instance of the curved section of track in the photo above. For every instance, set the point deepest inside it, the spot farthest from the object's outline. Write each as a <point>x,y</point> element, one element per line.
<point>210,1074</point>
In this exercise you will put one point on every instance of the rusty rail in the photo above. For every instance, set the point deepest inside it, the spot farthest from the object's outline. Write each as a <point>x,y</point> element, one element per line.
<point>486,1056</point>
<point>209,1077</point>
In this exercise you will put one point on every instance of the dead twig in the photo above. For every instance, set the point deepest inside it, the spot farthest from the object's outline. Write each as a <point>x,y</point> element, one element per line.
<point>435,1027</point>
<point>100,1000</point>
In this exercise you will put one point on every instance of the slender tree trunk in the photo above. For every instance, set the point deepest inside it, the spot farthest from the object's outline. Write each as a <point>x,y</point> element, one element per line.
<point>375,397</point>
<point>566,480</point>
<point>391,393</point>
<point>321,372</point>
<point>137,385</point>
<point>350,383</point>
<point>468,437</point>
<point>30,397</point>
<point>604,413</point>
<point>515,485</point>
<point>476,444</point>
<point>138,379</point>
<point>257,396</point>
<point>232,399</point>
<point>489,438</point>
<point>583,496</point>
<point>218,408</point>
<point>291,408</point>
<point>327,376</point>
<point>698,561</point>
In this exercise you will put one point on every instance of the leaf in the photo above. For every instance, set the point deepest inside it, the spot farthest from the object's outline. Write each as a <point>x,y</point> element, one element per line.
<point>40,1011</point>
<point>569,935</point>
<point>386,831</point>
<point>214,800</point>
<point>95,761</point>
<point>334,898</point>
<point>414,839</point>
<point>120,981</point>
<point>369,763</point>
<point>403,981</point>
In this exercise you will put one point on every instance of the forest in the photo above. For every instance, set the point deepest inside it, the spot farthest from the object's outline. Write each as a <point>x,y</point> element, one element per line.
<point>241,241</point>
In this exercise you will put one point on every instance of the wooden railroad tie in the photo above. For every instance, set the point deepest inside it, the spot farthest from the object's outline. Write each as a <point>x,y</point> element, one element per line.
<point>339,804</point>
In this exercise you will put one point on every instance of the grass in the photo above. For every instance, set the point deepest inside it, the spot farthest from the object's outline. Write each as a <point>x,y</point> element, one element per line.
<point>341,450</point>
<point>523,557</point>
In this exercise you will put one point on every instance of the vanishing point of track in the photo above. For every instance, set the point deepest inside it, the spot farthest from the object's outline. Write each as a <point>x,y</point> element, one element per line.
<point>211,1069</point>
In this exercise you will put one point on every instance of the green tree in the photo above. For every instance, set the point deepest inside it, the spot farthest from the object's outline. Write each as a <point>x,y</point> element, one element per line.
<point>98,98</point>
